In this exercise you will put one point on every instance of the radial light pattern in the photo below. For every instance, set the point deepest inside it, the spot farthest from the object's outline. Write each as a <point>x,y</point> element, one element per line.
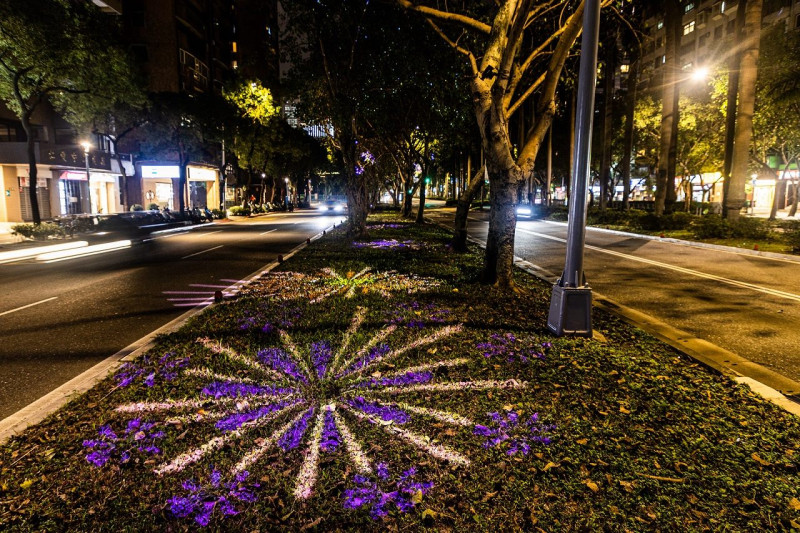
<point>288,396</point>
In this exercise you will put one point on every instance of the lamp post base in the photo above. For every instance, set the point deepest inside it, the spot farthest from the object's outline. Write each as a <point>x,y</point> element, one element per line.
<point>570,311</point>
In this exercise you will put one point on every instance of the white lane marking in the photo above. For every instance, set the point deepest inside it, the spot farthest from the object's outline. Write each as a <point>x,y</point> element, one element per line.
<point>728,281</point>
<point>269,231</point>
<point>208,233</point>
<point>204,251</point>
<point>27,306</point>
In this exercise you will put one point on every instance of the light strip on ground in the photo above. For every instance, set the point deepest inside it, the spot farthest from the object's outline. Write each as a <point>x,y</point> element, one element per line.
<point>82,252</point>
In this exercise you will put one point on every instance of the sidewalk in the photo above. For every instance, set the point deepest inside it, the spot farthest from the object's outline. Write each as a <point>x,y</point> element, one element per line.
<point>375,385</point>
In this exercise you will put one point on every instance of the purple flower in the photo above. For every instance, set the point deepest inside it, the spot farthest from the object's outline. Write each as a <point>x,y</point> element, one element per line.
<point>202,501</point>
<point>321,356</point>
<point>237,420</point>
<point>151,371</point>
<point>374,353</point>
<point>233,389</point>
<point>294,435</point>
<point>381,494</point>
<point>519,435</point>
<point>330,435</point>
<point>391,244</point>
<point>409,378</point>
<point>279,360</point>
<point>417,316</point>
<point>138,436</point>
<point>511,348</point>
<point>384,412</point>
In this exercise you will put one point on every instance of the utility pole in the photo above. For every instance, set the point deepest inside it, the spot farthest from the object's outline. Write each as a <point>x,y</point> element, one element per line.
<point>571,300</point>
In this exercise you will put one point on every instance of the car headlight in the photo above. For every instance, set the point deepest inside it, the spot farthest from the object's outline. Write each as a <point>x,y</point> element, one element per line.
<point>339,208</point>
<point>523,211</point>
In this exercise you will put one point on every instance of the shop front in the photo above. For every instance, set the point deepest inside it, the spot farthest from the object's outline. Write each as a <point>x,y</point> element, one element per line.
<point>203,187</point>
<point>160,186</point>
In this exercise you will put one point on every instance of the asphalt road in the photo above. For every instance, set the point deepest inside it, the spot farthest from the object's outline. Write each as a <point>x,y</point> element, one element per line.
<point>59,319</point>
<point>747,304</point>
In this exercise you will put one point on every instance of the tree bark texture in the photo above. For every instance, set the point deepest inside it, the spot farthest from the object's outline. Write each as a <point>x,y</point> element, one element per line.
<point>499,258</point>
<point>748,72</point>
<point>669,113</point>
<point>608,103</point>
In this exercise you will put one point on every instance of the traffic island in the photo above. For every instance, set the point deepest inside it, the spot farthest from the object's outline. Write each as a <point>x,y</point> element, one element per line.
<point>378,385</point>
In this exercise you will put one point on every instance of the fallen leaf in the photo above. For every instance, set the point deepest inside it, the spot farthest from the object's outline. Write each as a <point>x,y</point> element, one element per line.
<point>312,524</point>
<point>550,465</point>
<point>592,485</point>
<point>430,515</point>
<point>623,410</point>
<point>759,460</point>
<point>794,503</point>
<point>488,496</point>
<point>417,497</point>
<point>26,484</point>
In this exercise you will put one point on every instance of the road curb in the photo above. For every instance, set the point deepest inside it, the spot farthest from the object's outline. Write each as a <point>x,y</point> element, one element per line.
<point>38,410</point>
<point>693,244</point>
<point>769,384</point>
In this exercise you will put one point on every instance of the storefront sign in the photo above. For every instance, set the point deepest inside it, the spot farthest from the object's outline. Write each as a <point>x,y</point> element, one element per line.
<point>41,183</point>
<point>161,171</point>
<point>74,157</point>
<point>202,174</point>
<point>72,175</point>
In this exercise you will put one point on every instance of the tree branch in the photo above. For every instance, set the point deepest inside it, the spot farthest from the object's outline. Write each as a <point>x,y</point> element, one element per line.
<point>472,61</point>
<point>463,20</point>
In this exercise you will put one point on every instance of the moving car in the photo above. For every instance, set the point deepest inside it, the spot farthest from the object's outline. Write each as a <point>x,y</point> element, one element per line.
<point>332,205</point>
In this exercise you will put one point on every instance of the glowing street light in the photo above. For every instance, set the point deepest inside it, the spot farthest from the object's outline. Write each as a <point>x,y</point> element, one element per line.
<point>700,74</point>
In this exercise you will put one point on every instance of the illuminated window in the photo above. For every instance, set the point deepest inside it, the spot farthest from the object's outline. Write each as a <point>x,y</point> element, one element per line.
<point>233,47</point>
<point>688,7</point>
<point>624,68</point>
<point>235,64</point>
<point>660,24</point>
<point>688,28</point>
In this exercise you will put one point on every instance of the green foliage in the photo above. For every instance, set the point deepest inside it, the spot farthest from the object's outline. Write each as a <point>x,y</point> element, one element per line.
<point>253,100</point>
<point>152,206</point>
<point>137,207</point>
<point>219,213</point>
<point>39,232</point>
<point>239,211</point>
<point>716,227</point>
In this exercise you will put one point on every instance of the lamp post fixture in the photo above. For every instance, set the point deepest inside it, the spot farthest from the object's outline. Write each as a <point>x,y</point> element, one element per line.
<point>571,301</point>
<point>286,180</point>
<point>263,195</point>
<point>86,146</point>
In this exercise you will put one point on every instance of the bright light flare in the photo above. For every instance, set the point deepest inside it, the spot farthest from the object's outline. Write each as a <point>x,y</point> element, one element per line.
<point>26,253</point>
<point>700,74</point>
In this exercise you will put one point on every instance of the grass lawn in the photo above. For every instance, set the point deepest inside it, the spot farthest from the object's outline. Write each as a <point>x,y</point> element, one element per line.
<point>379,385</point>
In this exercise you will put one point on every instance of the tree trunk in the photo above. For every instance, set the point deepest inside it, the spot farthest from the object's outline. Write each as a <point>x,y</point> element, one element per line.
<point>499,258</point>
<point>123,200</point>
<point>795,197</point>
<point>669,111</point>
<point>748,72</point>
<point>408,196</point>
<point>32,170</point>
<point>608,99</point>
<point>182,186</point>
<point>773,213</point>
<point>732,101</point>
<point>462,211</point>
<point>627,150</point>
<point>422,194</point>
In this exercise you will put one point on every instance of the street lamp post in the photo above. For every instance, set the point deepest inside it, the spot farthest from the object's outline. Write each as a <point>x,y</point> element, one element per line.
<point>86,146</point>
<point>571,301</point>
<point>286,180</point>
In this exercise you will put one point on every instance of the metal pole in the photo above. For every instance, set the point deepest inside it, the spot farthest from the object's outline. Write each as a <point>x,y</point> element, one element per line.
<point>571,303</point>
<point>88,178</point>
